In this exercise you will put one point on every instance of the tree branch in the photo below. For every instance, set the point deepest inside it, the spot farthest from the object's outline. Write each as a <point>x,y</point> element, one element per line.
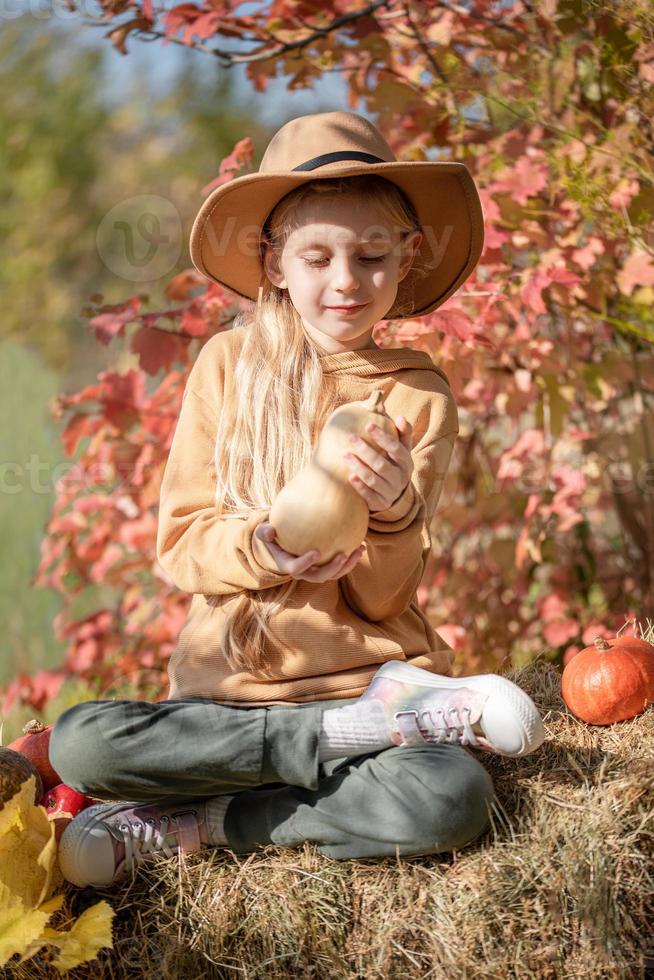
<point>230,58</point>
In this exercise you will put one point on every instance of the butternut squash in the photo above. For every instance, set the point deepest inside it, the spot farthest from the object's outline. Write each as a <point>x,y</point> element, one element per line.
<point>319,508</point>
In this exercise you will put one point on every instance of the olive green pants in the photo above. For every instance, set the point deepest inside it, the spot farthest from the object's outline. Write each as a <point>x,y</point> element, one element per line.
<point>409,800</point>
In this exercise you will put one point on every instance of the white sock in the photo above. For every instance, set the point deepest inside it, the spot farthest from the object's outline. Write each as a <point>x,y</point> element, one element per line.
<point>215,809</point>
<point>352,730</point>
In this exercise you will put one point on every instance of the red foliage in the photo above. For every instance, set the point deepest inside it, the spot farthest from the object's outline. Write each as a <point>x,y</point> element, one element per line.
<point>546,345</point>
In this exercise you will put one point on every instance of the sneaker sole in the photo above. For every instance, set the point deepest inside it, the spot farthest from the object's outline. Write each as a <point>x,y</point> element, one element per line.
<point>531,732</point>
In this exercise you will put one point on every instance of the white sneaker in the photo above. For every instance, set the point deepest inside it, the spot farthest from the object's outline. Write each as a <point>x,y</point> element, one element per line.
<point>484,711</point>
<point>109,840</point>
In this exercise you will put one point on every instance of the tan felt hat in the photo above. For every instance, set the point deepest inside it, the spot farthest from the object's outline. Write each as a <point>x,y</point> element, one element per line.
<point>225,242</point>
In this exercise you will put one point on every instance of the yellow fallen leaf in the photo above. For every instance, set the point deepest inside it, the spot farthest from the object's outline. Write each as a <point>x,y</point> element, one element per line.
<point>91,932</point>
<point>20,926</point>
<point>29,872</point>
<point>28,849</point>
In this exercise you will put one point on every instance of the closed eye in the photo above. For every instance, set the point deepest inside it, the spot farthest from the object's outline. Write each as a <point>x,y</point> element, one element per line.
<point>364,258</point>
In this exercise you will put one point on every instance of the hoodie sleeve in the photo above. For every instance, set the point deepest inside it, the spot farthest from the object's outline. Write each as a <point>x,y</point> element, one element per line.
<point>385,580</point>
<point>200,551</point>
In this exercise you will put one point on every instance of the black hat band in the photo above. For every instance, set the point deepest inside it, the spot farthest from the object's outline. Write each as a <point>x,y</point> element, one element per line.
<point>320,161</point>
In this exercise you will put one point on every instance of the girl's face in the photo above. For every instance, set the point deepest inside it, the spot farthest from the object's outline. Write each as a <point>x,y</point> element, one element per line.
<point>340,255</point>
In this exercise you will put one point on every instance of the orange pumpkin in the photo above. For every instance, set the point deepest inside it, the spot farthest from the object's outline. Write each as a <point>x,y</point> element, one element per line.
<point>612,680</point>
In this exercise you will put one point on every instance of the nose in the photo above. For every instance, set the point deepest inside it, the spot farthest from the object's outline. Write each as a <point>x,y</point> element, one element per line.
<point>345,278</point>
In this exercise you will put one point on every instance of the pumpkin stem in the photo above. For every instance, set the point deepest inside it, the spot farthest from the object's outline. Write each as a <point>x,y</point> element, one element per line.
<point>375,400</point>
<point>33,727</point>
<point>601,644</point>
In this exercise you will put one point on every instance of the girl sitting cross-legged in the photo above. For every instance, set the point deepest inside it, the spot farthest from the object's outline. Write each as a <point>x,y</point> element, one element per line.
<point>310,699</point>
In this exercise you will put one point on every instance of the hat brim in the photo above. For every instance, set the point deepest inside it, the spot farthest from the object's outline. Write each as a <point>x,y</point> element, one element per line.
<point>224,242</point>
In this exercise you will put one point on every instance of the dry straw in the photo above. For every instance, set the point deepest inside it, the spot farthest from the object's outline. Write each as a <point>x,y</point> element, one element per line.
<point>562,885</point>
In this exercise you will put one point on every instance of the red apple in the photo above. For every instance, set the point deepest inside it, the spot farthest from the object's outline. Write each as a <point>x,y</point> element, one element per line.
<point>62,803</point>
<point>34,744</point>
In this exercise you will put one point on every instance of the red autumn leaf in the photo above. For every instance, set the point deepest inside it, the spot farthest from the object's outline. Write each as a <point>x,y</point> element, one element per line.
<point>638,270</point>
<point>112,321</point>
<point>78,428</point>
<point>586,256</point>
<point>494,235</point>
<point>180,286</point>
<point>110,556</point>
<point>453,634</point>
<point>530,442</point>
<point>539,279</point>
<point>85,395</point>
<point>144,467</point>
<point>157,349</point>
<point>203,26</point>
<point>454,323</point>
<point>139,534</point>
<point>624,193</point>
<point>84,656</point>
<point>177,17</point>
<point>35,691</point>
<point>532,293</point>
<point>122,397</point>
<point>560,631</point>
<point>525,179</point>
<point>194,323</point>
<point>92,503</point>
<point>118,36</point>
<point>563,276</point>
<point>259,74</point>
<point>230,165</point>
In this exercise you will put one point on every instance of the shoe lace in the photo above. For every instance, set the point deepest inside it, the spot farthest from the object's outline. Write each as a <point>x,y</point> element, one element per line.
<point>417,727</point>
<point>143,838</point>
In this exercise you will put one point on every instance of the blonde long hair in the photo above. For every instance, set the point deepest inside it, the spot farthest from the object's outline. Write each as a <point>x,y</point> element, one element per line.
<point>268,432</point>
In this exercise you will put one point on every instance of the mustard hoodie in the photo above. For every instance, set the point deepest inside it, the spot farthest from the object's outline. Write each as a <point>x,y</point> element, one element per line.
<point>338,632</point>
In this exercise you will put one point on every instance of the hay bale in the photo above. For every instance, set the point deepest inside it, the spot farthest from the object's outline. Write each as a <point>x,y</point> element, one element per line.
<point>562,885</point>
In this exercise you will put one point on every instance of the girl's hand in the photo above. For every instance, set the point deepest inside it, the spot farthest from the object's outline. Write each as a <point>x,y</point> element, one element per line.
<point>303,566</point>
<point>377,479</point>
